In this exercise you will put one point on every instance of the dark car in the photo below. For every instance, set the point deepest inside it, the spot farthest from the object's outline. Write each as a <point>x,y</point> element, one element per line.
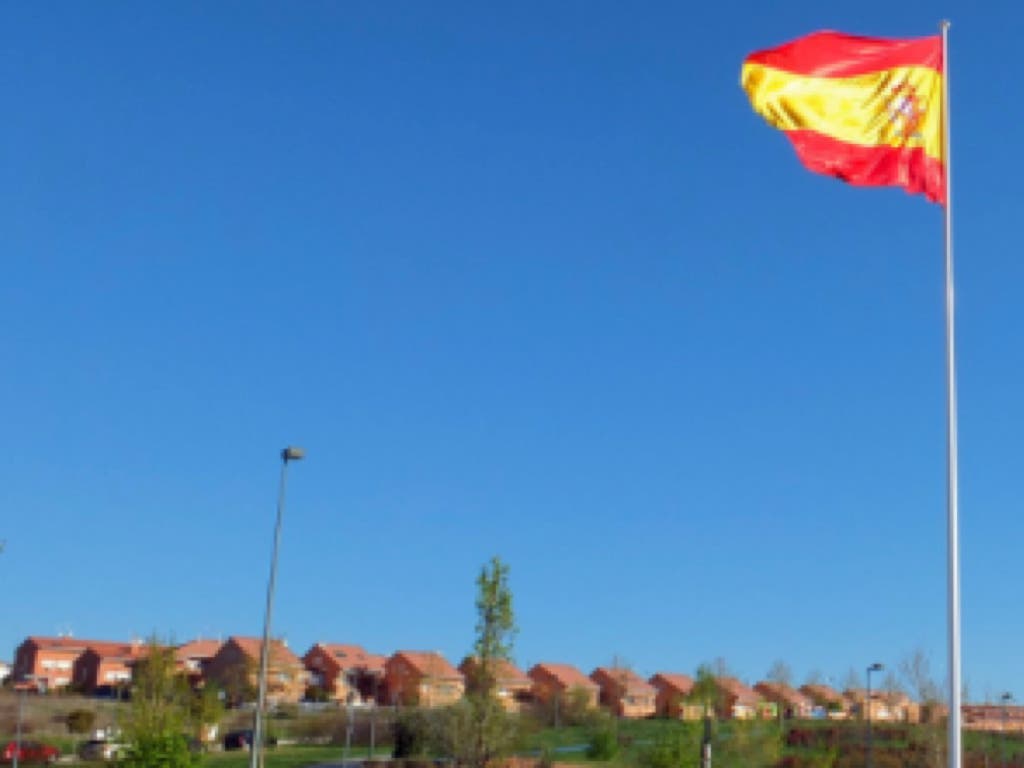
<point>243,739</point>
<point>100,749</point>
<point>30,752</point>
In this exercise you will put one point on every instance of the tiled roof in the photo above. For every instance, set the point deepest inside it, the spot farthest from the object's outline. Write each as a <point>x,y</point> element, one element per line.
<point>743,694</point>
<point>197,649</point>
<point>505,672</point>
<point>68,643</point>
<point>625,678</point>
<point>565,675</point>
<point>429,664</point>
<point>279,652</point>
<point>674,682</point>
<point>782,694</point>
<point>822,693</point>
<point>349,656</point>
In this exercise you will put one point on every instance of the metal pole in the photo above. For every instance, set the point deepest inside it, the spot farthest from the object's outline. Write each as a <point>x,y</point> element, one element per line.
<point>955,747</point>
<point>17,739</point>
<point>256,749</point>
<point>867,705</point>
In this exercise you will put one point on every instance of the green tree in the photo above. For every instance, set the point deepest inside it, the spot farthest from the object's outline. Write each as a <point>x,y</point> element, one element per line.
<point>478,728</point>
<point>705,689</point>
<point>155,731</point>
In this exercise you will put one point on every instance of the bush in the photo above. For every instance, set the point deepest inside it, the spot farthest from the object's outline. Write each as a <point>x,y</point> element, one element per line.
<point>80,720</point>
<point>603,742</point>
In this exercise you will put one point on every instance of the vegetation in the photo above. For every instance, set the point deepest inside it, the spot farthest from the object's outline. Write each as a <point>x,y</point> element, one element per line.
<point>159,715</point>
<point>478,729</point>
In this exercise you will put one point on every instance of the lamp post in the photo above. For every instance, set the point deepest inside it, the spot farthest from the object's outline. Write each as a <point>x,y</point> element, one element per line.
<point>1006,698</point>
<point>876,667</point>
<point>291,453</point>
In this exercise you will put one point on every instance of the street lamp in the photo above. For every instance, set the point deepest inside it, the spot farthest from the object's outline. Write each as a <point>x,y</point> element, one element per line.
<point>876,667</point>
<point>1006,698</point>
<point>291,453</point>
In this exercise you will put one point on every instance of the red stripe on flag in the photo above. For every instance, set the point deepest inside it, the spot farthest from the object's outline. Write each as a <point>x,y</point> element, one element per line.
<point>877,166</point>
<point>833,54</point>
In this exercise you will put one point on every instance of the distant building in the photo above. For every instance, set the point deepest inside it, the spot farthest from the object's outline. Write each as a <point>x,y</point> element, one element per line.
<point>235,669</point>
<point>42,663</point>
<point>827,701</point>
<point>792,703</point>
<point>557,682</point>
<point>422,678</point>
<point>192,659</point>
<point>345,673</point>
<point>511,685</point>
<point>737,701</point>
<point>624,692</point>
<point>5,672</point>
<point>672,696</point>
<point>106,665</point>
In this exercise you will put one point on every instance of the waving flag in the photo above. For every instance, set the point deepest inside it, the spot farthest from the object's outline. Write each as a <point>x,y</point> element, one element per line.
<point>865,110</point>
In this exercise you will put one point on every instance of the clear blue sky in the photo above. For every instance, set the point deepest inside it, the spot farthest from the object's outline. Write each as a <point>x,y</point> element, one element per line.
<point>526,279</point>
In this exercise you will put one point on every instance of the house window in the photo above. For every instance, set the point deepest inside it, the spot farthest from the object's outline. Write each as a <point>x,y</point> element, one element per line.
<point>47,664</point>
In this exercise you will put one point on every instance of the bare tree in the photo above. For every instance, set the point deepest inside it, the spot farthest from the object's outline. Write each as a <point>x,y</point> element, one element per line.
<point>814,677</point>
<point>779,672</point>
<point>915,669</point>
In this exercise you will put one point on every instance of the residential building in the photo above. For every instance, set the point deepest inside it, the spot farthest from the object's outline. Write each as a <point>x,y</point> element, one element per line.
<point>557,682</point>
<point>884,706</point>
<point>42,663</point>
<point>235,669</point>
<point>422,678</point>
<point>194,657</point>
<point>792,703</point>
<point>346,673</point>
<point>106,665</point>
<point>624,692</point>
<point>737,701</point>
<point>826,701</point>
<point>994,717</point>
<point>511,685</point>
<point>672,696</point>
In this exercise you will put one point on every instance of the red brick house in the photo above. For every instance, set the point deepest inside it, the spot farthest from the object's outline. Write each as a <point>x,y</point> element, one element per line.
<point>832,702</point>
<point>736,701</point>
<point>512,687</point>
<point>346,673</point>
<point>422,678</point>
<point>790,702</point>
<point>49,662</point>
<point>624,692</point>
<point>672,692</point>
<point>107,665</point>
<point>193,657</point>
<point>556,682</point>
<point>235,669</point>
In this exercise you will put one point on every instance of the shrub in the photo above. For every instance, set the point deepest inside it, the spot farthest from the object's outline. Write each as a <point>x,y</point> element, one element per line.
<point>80,720</point>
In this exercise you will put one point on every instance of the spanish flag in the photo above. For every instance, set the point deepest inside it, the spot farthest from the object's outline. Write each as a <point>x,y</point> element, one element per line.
<point>865,110</point>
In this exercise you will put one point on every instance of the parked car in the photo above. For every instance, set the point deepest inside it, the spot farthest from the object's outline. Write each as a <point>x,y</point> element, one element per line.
<point>30,752</point>
<point>100,749</point>
<point>243,739</point>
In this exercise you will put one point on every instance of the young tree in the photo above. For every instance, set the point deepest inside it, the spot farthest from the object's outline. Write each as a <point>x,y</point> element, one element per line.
<point>705,689</point>
<point>479,728</point>
<point>155,734</point>
<point>496,625</point>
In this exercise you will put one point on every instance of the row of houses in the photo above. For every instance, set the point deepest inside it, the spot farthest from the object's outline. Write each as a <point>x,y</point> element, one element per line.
<point>348,674</point>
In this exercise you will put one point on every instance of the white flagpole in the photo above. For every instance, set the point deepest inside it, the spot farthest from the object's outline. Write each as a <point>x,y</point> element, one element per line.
<point>954,746</point>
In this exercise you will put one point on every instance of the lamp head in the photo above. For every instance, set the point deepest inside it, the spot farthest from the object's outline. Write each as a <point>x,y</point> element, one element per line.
<point>292,453</point>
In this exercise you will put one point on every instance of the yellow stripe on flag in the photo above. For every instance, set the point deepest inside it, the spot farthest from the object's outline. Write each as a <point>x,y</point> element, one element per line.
<point>898,107</point>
